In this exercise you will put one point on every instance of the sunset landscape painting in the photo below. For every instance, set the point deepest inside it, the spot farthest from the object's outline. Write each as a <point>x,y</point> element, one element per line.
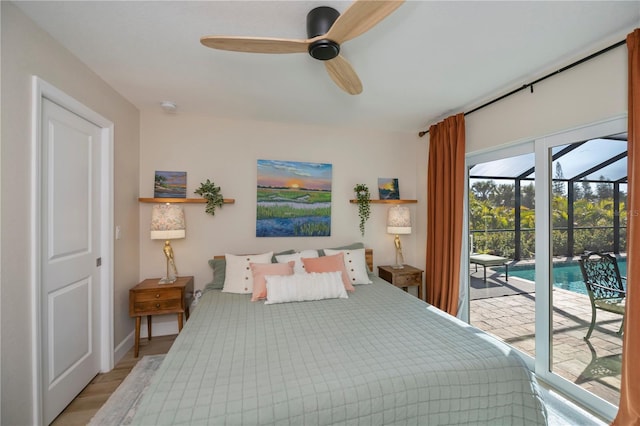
<point>293,199</point>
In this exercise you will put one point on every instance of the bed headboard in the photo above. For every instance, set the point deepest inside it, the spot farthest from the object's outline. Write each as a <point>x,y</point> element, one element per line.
<point>368,254</point>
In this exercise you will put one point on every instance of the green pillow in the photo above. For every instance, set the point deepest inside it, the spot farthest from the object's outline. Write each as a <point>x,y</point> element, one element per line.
<point>353,246</point>
<point>219,267</point>
<point>273,258</point>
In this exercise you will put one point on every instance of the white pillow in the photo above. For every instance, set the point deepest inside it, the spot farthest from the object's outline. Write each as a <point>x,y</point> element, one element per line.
<point>303,287</point>
<point>356,264</point>
<point>238,276</point>
<point>298,267</point>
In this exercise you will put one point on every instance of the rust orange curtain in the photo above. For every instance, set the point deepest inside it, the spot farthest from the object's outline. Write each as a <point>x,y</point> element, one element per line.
<point>629,411</point>
<point>445,198</point>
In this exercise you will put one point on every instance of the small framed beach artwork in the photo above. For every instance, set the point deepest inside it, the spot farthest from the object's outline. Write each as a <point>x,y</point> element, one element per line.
<point>170,185</point>
<point>388,189</point>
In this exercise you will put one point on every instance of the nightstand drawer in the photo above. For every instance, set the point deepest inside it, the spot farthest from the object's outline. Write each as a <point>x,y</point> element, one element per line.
<point>407,280</point>
<point>152,306</point>
<point>158,294</point>
<point>405,277</point>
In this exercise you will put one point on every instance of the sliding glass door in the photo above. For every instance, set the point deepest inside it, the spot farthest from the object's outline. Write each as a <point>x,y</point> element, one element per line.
<point>539,218</point>
<point>581,186</point>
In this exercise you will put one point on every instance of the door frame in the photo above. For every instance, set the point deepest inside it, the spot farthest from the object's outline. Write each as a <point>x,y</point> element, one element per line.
<point>42,89</point>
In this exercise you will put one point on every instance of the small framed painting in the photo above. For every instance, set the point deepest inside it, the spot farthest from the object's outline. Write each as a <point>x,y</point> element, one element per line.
<point>170,185</point>
<point>388,189</point>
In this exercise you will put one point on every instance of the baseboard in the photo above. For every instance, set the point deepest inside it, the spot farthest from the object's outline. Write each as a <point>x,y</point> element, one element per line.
<point>124,346</point>
<point>161,326</point>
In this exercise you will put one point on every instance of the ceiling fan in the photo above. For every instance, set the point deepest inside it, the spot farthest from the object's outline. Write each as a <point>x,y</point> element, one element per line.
<point>326,31</point>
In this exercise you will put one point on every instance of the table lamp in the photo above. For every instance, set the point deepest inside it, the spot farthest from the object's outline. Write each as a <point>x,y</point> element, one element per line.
<point>167,223</point>
<point>398,222</point>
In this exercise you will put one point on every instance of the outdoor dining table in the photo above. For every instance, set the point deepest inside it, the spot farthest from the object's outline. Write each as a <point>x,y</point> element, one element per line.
<point>490,260</point>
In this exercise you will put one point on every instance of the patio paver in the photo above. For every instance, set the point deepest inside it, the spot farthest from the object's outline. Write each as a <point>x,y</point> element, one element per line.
<point>594,365</point>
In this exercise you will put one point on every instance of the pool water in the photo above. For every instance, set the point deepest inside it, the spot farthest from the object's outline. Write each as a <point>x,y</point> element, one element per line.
<point>566,275</point>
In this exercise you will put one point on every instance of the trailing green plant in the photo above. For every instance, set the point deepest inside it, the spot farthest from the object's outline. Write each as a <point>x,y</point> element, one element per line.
<point>210,192</point>
<point>363,198</point>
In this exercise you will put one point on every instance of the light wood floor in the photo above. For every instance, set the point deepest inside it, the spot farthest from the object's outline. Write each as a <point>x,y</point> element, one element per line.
<point>89,401</point>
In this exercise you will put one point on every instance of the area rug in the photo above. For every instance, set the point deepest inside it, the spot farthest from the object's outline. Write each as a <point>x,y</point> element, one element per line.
<point>122,404</point>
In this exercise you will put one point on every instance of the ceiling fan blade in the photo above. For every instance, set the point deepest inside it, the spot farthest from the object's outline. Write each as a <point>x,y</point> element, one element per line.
<point>342,73</point>
<point>360,17</point>
<point>255,44</point>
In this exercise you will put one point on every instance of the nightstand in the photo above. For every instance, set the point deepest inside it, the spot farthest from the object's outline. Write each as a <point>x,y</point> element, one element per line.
<point>403,278</point>
<point>150,298</point>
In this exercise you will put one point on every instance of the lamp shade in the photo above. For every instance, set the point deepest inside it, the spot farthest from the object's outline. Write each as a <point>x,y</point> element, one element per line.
<point>167,222</point>
<point>399,220</point>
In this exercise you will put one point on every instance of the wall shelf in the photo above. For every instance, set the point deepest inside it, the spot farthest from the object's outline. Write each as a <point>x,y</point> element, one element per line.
<point>387,201</point>
<point>181,200</point>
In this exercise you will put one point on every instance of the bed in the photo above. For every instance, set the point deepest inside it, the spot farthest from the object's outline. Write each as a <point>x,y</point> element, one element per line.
<point>379,357</point>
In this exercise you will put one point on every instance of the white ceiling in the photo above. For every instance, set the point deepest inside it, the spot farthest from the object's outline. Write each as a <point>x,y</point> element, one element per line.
<point>425,61</point>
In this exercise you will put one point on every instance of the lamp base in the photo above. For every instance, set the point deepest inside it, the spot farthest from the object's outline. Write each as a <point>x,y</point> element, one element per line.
<point>399,255</point>
<point>167,280</point>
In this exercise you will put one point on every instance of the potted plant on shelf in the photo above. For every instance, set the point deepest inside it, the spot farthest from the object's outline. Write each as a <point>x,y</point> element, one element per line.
<point>363,197</point>
<point>210,192</point>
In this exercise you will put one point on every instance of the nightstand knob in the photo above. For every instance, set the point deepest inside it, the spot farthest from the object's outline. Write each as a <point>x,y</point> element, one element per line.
<point>157,305</point>
<point>157,295</point>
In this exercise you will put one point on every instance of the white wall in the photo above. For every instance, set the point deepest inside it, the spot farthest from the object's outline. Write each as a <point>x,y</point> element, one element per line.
<point>590,92</point>
<point>226,151</point>
<point>27,51</point>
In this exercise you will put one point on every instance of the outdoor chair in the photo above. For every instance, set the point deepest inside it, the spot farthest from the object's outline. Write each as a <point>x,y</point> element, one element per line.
<point>604,285</point>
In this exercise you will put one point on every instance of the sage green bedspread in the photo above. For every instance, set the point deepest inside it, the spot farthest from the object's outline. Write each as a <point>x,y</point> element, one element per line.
<point>380,357</point>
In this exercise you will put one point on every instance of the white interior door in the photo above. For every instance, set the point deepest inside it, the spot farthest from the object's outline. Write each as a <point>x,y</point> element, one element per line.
<point>70,252</point>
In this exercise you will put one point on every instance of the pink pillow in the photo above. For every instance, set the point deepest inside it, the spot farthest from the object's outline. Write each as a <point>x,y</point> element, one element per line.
<point>329,264</point>
<point>259,270</point>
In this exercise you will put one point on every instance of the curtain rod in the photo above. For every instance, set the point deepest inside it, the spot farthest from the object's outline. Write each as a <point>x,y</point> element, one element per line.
<point>530,85</point>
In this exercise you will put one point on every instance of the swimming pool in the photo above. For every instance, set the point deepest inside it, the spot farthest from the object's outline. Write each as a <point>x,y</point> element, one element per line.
<point>566,275</point>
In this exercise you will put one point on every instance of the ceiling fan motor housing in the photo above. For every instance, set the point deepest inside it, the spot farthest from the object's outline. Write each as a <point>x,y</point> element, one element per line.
<point>319,21</point>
